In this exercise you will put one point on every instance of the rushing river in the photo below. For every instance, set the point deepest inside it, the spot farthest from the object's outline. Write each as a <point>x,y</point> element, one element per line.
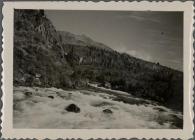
<point>36,107</point>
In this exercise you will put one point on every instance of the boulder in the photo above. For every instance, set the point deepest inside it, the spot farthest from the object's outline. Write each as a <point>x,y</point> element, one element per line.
<point>107,111</point>
<point>73,108</point>
<point>36,81</point>
<point>50,96</point>
<point>28,94</point>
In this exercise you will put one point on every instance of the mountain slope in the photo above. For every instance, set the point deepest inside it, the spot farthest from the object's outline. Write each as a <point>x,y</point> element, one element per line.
<point>126,73</point>
<point>46,57</point>
<point>81,40</point>
<point>38,53</point>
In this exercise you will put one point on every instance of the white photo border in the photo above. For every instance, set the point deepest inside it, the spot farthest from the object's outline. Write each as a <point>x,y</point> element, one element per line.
<point>7,75</point>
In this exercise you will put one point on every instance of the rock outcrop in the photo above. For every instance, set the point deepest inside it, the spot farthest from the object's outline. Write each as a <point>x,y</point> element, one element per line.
<point>38,54</point>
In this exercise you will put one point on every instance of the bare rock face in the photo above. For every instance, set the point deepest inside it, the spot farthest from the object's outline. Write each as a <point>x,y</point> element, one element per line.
<point>73,108</point>
<point>38,54</point>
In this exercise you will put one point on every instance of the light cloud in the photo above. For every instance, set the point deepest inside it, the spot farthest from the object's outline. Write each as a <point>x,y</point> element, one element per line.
<point>141,55</point>
<point>140,18</point>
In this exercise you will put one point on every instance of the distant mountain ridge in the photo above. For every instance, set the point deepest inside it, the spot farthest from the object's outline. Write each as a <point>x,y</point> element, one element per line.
<point>48,58</point>
<point>82,40</point>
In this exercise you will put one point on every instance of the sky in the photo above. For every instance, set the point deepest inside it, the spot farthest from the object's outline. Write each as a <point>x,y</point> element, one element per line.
<point>152,36</point>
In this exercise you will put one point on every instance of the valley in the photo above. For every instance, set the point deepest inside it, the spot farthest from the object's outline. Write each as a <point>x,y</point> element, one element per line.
<point>64,80</point>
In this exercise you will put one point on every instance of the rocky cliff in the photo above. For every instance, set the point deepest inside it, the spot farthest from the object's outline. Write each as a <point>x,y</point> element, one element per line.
<point>38,53</point>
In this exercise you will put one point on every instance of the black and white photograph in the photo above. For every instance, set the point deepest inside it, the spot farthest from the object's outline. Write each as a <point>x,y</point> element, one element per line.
<point>91,69</point>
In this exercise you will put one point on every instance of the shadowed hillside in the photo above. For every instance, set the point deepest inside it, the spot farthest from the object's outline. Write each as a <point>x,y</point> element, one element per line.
<point>38,54</point>
<point>126,73</point>
<point>45,57</point>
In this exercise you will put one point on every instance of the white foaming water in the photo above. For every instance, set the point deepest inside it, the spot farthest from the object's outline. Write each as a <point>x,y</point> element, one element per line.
<point>40,111</point>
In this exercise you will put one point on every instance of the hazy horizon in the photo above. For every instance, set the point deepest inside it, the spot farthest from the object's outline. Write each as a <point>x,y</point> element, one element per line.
<point>151,36</point>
